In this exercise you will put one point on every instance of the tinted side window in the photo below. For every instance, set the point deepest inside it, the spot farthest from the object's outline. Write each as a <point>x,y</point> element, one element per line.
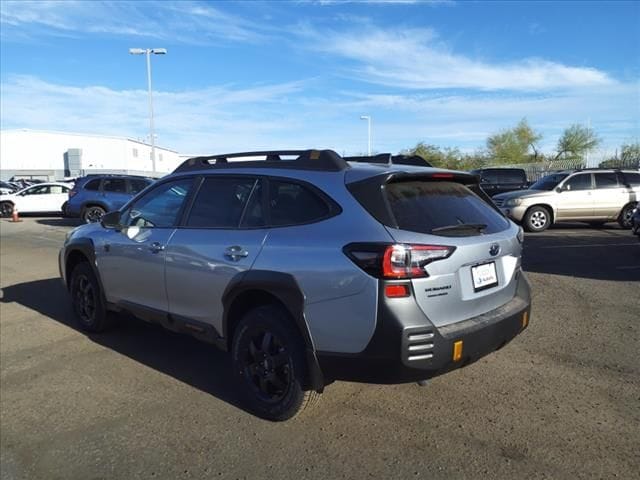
<point>137,185</point>
<point>294,204</point>
<point>159,207</point>
<point>606,180</point>
<point>579,182</point>
<point>632,179</point>
<point>220,202</point>
<point>43,190</point>
<point>118,185</point>
<point>423,207</point>
<point>93,184</point>
<point>58,189</point>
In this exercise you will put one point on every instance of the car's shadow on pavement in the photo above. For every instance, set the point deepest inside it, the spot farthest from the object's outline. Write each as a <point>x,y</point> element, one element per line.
<point>60,222</point>
<point>184,358</point>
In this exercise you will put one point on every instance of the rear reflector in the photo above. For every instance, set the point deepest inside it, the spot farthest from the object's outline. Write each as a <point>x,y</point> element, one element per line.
<point>395,291</point>
<point>525,319</point>
<point>457,351</point>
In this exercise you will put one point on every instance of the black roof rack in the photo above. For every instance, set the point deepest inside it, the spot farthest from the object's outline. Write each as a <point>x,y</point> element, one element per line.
<point>387,158</point>
<point>323,160</point>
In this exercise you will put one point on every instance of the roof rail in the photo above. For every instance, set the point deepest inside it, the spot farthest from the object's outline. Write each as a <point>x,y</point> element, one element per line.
<point>323,160</point>
<point>389,159</point>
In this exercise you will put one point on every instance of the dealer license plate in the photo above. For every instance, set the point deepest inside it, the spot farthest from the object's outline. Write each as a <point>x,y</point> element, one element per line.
<point>484,276</point>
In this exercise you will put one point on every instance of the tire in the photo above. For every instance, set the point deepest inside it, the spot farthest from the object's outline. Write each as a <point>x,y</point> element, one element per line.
<point>624,220</point>
<point>63,209</point>
<point>93,213</point>
<point>88,302</point>
<point>6,209</point>
<point>537,219</point>
<point>268,356</point>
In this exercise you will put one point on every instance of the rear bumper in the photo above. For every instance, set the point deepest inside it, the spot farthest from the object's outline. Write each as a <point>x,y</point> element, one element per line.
<point>406,347</point>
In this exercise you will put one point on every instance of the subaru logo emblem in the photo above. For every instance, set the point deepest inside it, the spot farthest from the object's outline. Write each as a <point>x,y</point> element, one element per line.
<point>494,249</point>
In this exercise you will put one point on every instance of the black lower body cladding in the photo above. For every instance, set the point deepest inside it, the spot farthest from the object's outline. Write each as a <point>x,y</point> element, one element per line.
<point>407,347</point>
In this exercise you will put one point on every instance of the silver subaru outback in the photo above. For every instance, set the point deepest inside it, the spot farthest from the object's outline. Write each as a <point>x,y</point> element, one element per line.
<point>309,268</point>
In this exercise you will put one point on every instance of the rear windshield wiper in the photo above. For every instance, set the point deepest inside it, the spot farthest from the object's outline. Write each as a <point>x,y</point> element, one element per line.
<point>461,227</point>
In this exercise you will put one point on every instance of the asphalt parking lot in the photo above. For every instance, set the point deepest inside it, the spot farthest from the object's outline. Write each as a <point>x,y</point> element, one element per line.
<point>561,401</point>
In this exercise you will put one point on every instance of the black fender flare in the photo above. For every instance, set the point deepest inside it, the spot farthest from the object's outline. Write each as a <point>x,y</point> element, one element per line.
<point>86,247</point>
<point>285,288</point>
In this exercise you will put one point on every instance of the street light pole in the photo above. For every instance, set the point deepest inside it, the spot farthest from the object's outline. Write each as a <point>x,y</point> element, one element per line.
<point>368,119</point>
<point>148,52</point>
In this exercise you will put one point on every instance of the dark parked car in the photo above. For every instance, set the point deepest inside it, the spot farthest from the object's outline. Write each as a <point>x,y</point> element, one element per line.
<point>500,180</point>
<point>94,195</point>
<point>635,222</point>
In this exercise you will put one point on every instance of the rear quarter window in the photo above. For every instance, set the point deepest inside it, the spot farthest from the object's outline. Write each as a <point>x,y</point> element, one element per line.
<point>422,206</point>
<point>295,204</point>
<point>93,185</point>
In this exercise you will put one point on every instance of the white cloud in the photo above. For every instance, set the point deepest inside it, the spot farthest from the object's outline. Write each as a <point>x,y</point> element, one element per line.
<point>188,22</point>
<point>228,118</point>
<point>417,59</point>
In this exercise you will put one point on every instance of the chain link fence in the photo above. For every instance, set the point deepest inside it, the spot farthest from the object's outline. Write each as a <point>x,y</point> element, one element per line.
<point>535,171</point>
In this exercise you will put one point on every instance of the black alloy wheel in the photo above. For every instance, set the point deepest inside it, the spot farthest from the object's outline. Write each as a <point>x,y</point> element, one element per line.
<point>6,209</point>
<point>269,361</point>
<point>93,214</point>
<point>86,296</point>
<point>625,216</point>
<point>267,366</point>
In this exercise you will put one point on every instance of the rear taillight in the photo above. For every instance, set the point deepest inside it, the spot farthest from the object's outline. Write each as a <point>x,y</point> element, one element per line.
<point>396,261</point>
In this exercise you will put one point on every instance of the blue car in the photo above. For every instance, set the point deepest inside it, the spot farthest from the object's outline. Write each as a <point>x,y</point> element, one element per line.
<point>94,195</point>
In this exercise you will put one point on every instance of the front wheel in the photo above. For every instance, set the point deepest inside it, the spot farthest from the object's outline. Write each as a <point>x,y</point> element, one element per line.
<point>6,209</point>
<point>93,214</point>
<point>624,220</point>
<point>269,361</point>
<point>88,304</point>
<point>537,219</point>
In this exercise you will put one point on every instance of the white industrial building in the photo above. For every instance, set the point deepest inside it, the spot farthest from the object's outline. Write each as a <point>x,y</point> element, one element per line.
<point>48,155</point>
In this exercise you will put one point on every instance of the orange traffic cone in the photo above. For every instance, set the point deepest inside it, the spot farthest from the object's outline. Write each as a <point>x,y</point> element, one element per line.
<point>14,215</point>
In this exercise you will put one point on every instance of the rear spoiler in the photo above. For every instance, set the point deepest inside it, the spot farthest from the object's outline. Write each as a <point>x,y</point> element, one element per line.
<point>388,159</point>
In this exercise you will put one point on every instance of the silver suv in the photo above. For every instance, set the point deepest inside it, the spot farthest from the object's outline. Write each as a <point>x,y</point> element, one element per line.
<point>595,196</point>
<point>309,268</point>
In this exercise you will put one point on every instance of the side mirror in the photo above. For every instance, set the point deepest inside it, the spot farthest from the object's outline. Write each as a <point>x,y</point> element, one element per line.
<point>111,220</point>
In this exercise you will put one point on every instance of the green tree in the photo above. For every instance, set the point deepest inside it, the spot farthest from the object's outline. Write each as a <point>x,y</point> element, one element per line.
<point>515,145</point>
<point>629,157</point>
<point>576,141</point>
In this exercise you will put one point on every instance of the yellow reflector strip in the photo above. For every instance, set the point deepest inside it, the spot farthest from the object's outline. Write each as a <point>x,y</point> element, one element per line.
<point>457,351</point>
<point>525,319</point>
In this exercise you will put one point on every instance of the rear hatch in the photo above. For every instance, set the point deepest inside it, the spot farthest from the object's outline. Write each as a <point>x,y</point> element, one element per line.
<point>477,271</point>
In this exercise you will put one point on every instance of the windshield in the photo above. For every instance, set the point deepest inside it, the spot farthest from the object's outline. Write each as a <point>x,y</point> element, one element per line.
<point>549,182</point>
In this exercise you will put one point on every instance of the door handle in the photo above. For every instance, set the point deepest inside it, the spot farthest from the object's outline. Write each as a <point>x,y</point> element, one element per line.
<point>236,252</point>
<point>156,247</point>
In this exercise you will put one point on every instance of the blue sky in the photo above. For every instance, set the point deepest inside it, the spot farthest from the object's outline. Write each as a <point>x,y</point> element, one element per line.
<point>254,75</point>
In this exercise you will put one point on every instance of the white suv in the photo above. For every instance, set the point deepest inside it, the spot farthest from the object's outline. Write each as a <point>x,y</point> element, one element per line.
<point>595,196</point>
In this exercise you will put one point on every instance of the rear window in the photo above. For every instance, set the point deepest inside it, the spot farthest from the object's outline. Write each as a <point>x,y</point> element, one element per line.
<point>442,208</point>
